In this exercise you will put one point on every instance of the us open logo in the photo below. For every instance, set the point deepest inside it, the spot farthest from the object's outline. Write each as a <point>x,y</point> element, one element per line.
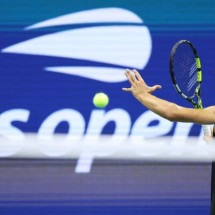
<point>115,37</point>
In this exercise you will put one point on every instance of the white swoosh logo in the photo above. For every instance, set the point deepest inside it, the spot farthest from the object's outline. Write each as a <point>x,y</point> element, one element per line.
<point>101,15</point>
<point>109,75</point>
<point>119,45</point>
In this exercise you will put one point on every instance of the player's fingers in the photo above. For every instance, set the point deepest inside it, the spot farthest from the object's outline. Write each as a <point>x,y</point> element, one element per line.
<point>126,89</point>
<point>156,87</point>
<point>137,74</point>
<point>153,88</point>
<point>130,75</point>
<point>139,78</point>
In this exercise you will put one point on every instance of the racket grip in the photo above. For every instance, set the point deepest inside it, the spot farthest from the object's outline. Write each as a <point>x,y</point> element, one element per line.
<point>206,130</point>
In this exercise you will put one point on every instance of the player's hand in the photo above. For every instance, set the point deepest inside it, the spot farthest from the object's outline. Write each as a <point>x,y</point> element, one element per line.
<point>138,85</point>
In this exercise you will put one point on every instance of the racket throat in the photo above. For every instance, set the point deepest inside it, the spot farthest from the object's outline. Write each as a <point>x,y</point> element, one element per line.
<point>198,103</point>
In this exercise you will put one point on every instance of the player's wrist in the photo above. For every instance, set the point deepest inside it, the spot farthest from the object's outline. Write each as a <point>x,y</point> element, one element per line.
<point>140,96</point>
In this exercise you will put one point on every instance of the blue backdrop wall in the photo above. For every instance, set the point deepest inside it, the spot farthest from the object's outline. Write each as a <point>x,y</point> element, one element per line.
<point>54,57</point>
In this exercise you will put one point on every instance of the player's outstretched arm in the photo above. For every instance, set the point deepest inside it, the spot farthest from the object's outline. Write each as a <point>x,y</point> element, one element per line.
<point>171,111</point>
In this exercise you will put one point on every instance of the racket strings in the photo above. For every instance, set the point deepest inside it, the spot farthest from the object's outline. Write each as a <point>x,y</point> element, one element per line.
<point>191,83</point>
<point>185,69</point>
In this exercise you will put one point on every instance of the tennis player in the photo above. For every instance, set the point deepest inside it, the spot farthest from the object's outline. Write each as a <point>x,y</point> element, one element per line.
<point>168,110</point>
<point>171,111</point>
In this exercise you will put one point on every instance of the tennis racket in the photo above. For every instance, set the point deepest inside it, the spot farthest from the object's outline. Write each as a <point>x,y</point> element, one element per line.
<point>186,74</point>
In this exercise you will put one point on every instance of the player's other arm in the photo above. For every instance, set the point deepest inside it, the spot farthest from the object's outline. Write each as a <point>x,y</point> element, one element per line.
<point>166,109</point>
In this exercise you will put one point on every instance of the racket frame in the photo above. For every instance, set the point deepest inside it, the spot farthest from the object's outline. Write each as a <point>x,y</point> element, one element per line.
<point>195,100</point>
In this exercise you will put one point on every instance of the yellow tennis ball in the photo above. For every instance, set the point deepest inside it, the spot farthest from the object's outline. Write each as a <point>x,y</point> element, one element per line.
<point>100,100</point>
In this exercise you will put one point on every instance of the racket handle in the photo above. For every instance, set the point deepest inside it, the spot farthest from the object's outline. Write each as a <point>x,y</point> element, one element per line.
<point>206,130</point>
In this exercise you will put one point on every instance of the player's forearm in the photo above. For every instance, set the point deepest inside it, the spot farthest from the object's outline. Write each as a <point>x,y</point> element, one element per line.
<point>159,106</point>
<point>174,112</point>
